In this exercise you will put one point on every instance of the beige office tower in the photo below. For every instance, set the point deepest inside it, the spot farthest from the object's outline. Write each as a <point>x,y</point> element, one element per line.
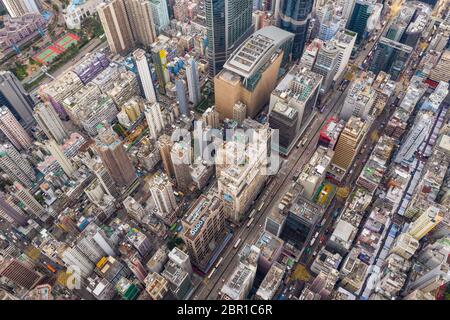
<point>240,182</point>
<point>426,222</point>
<point>347,146</point>
<point>211,117</point>
<point>141,21</point>
<point>441,72</point>
<point>48,120</point>
<point>162,194</point>
<point>28,202</point>
<point>251,72</point>
<point>12,129</point>
<point>117,28</point>
<point>239,112</point>
<point>203,228</point>
<point>181,154</point>
<point>165,146</point>
<point>114,157</point>
<point>60,157</point>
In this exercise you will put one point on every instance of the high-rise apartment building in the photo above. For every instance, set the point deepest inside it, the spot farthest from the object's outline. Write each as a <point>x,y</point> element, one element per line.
<point>49,121</point>
<point>113,16</point>
<point>160,14</point>
<point>140,16</point>
<point>203,229</point>
<point>211,117</point>
<point>144,75</point>
<point>348,145</point>
<point>16,166</point>
<point>11,212</point>
<point>154,119</point>
<point>295,16</point>
<point>17,8</point>
<point>193,82</point>
<point>251,72</point>
<point>60,157</point>
<point>239,112</point>
<point>16,99</point>
<point>114,157</point>
<point>181,95</point>
<point>28,202</point>
<point>181,155</point>
<point>228,23</point>
<point>162,194</point>
<point>13,130</point>
<point>165,146</point>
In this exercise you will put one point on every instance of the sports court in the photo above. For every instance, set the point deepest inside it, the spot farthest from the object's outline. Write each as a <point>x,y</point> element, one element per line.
<point>50,53</point>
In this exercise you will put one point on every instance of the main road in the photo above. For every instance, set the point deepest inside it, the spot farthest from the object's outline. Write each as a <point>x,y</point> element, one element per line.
<point>269,199</point>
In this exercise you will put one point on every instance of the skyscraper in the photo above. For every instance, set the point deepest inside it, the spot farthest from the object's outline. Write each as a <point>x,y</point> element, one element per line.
<point>181,95</point>
<point>294,16</point>
<point>140,16</point>
<point>160,14</point>
<point>181,159</point>
<point>251,72</point>
<point>364,18</point>
<point>193,82</point>
<point>165,146</point>
<point>228,23</point>
<point>15,98</point>
<point>17,8</point>
<point>13,130</point>
<point>113,16</point>
<point>154,118</point>
<point>162,193</point>
<point>11,212</point>
<point>145,75</point>
<point>17,167</point>
<point>60,157</point>
<point>114,157</point>
<point>48,120</point>
<point>28,202</point>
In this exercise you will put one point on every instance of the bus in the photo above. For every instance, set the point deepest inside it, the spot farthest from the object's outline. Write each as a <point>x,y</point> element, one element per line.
<point>250,222</point>
<point>304,141</point>
<point>211,273</point>
<point>50,267</point>
<point>237,243</point>
<point>252,213</point>
<point>260,206</point>
<point>219,262</point>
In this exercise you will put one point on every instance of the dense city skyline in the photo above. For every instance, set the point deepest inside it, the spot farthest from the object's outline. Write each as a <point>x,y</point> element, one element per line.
<point>225,150</point>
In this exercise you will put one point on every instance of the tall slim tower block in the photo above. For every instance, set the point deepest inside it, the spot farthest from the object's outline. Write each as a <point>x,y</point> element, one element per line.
<point>114,157</point>
<point>13,130</point>
<point>144,75</point>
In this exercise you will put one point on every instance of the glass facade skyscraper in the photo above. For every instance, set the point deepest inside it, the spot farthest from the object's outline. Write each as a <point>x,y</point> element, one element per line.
<point>295,16</point>
<point>358,19</point>
<point>228,23</point>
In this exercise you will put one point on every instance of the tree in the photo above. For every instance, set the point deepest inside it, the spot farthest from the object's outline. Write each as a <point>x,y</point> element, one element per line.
<point>55,7</point>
